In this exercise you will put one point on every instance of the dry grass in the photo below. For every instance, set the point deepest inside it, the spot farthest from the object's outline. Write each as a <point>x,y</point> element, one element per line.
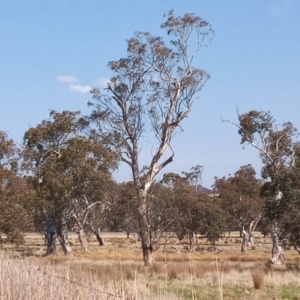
<point>116,270</point>
<point>258,279</point>
<point>45,278</point>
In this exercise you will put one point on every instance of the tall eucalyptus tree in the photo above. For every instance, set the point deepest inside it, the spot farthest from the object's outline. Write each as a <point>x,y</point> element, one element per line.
<point>152,91</point>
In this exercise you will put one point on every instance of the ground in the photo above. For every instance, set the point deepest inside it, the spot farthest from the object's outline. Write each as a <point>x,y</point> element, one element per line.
<point>116,271</point>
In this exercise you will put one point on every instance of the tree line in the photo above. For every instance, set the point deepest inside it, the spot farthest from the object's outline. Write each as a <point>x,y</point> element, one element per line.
<point>60,178</point>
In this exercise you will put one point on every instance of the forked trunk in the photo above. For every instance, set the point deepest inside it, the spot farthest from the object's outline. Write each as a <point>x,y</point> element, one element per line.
<point>50,238</point>
<point>82,239</point>
<point>62,235</point>
<point>247,232</point>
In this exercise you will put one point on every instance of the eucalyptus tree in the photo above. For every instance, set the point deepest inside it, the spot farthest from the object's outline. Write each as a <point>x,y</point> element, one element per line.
<point>192,211</point>
<point>241,199</point>
<point>68,169</point>
<point>151,92</point>
<point>86,167</point>
<point>287,210</point>
<point>106,197</point>
<point>125,213</point>
<point>186,209</point>
<point>276,146</point>
<point>16,197</point>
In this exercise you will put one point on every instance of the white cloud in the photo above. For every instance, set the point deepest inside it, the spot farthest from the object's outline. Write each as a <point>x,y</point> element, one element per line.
<point>67,78</point>
<point>77,88</point>
<point>102,81</point>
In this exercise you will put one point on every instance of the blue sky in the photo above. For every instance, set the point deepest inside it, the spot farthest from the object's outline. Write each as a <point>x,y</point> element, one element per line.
<point>52,52</point>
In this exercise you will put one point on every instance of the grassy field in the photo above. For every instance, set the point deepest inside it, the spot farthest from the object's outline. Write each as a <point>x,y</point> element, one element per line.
<point>115,271</point>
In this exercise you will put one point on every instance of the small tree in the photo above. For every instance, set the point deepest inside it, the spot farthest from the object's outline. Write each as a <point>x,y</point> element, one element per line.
<point>153,89</point>
<point>193,212</point>
<point>240,198</point>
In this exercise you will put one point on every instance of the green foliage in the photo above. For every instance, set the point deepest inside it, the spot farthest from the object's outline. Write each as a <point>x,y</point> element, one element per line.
<point>240,199</point>
<point>192,211</point>
<point>16,198</point>
<point>67,165</point>
<point>279,150</point>
<point>276,146</point>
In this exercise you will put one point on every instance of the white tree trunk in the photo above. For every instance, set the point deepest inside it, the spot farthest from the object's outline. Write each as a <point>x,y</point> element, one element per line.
<point>245,241</point>
<point>277,252</point>
<point>247,230</point>
<point>82,239</point>
<point>145,231</point>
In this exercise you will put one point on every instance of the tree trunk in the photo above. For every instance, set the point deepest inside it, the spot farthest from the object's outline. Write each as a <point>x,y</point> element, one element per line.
<point>277,252</point>
<point>192,240</point>
<point>82,239</point>
<point>251,239</point>
<point>145,230</point>
<point>245,241</point>
<point>147,248</point>
<point>50,238</point>
<point>297,248</point>
<point>99,238</point>
<point>62,235</point>
<point>241,233</point>
<point>248,235</point>
<point>97,233</point>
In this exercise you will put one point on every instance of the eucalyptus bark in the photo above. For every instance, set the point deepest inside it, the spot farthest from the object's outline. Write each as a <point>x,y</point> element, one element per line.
<point>145,232</point>
<point>192,236</point>
<point>82,239</point>
<point>97,233</point>
<point>50,237</point>
<point>248,234</point>
<point>62,235</point>
<point>245,241</point>
<point>277,251</point>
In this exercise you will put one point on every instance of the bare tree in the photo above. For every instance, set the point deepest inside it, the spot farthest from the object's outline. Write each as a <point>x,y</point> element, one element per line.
<point>153,89</point>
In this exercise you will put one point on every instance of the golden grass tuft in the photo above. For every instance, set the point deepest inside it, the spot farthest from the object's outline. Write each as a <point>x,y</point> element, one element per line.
<point>258,279</point>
